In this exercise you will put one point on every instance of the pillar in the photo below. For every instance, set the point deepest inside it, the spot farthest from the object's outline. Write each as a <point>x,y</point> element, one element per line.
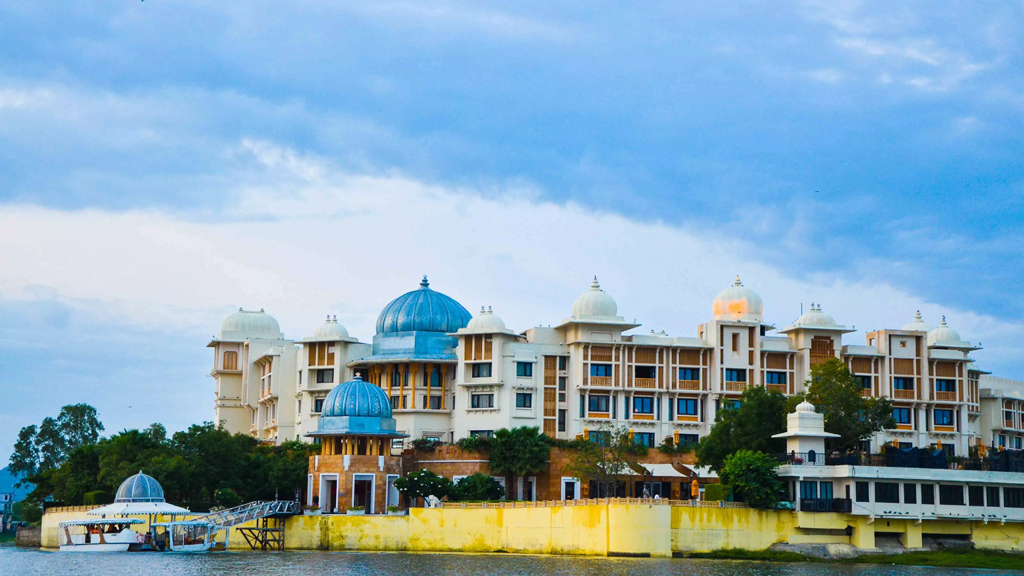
<point>911,536</point>
<point>863,532</point>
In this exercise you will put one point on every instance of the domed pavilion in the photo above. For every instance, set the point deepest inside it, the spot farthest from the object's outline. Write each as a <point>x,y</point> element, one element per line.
<point>355,467</point>
<point>139,495</point>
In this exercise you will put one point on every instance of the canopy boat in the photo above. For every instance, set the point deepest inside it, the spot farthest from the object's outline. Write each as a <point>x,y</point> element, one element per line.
<point>114,535</point>
<point>185,536</point>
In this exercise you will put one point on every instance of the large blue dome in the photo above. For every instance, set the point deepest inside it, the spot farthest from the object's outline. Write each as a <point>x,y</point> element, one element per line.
<point>356,398</point>
<point>423,310</point>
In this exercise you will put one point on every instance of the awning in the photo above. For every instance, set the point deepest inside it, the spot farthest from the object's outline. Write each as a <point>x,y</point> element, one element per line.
<point>702,472</point>
<point>663,470</point>
<point>137,509</point>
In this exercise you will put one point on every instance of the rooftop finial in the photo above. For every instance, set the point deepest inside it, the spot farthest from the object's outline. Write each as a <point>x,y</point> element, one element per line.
<point>334,318</point>
<point>489,310</point>
<point>240,309</point>
<point>738,283</point>
<point>595,285</point>
<point>328,318</point>
<point>482,310</point>
<point>424,283</point>
<point>917,315</point>
<point>359,375</point>
<point>943,319</point>
<point>261,310</point>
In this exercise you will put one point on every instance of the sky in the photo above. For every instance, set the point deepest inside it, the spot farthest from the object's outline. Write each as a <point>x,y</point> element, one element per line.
<point>164,163</point>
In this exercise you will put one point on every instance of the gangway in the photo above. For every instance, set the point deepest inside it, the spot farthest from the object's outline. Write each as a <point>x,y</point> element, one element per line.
<point>269,516</point>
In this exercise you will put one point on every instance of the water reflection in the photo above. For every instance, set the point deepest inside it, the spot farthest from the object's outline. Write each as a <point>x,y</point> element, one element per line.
<point>21,562</point>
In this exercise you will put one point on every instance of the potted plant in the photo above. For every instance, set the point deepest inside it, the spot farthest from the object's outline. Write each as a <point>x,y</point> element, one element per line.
<point>394,511</point>
<point>311,510</point>
<point>356,511</point>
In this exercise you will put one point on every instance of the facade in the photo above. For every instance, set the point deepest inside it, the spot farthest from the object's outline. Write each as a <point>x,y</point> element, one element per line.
<point>6,510</point>
<point>448,375</point>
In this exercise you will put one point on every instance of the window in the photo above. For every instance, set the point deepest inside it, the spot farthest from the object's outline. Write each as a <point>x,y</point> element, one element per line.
<point>951,495</point>
<point>688,439</point>
<point>903,383</point>
<point>561,420</point>
<point>862,492</point>
<point>325,376</point>
<point>481,400</point>
<point>863,381</point>
<point>562,362</point>
<point>645,371</point>
<point>643,405</point>
<point>975,496</point>
<point>735,375</point>
<point>318,405</point>
<point>432,402</point>
<point>598,403</point>
<point>687,406</point>
<point>689,374</point>
<point>735,342</point>
<point>644,438</point>
<point>482,370</point>
<point>808,490</point>
<point>394,402</point>
<point>230,361</point>
<point>910,493</point>
<point>1002,440</point>
<point>1008,417</point>
<point>901,415</point>
<point>731,405</point>
<point>887,492</point>
<point>435,378</point>
<point>775,378</point>
<point>945,386</point>
<point>903,343</point>
<point>481,433</point>
<point>524,400</point>
<point>826,490</point>
<point>600,369</point>
<point>524,369</point>
<point>1013,497</point>
<point>927,493</point>
<point>561,383</point>
<point>943,417</point>
<point>992,496</point>
<point>1017,443</point>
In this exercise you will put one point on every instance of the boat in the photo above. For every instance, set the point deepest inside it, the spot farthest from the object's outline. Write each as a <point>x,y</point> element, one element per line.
<point>101,535</point>
<point>185,536</point>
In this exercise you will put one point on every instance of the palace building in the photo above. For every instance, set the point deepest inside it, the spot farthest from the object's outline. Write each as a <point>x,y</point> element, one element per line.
<point>447,374</point>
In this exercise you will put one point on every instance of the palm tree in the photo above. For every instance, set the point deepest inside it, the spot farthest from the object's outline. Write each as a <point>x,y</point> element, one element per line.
<point>518,452</point>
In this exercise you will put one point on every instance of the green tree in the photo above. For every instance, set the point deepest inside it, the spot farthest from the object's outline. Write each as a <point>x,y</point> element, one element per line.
<point>836,394</point>
<point>423,483</point>
<point>752,477</point>
<point>606,459</point>
<point>761,414</point>
<point>518,452</point>
<point>28,511</point>
<point>478,487</point>
<point>50,444</point>
<point>24,461</point>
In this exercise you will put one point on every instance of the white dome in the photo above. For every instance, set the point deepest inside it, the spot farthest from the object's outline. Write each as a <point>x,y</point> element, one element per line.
<point>918,324</point>
<point>944,335</point>
<point>815,317</point>
<point>248,324</point>
<point>738,302</point>
<point>595,303</point>
<point>805,406</point>
<point>330,330</point>
<point>486,320</point>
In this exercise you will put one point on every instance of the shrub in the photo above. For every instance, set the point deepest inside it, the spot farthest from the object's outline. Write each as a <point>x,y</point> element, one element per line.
<point>753,478</point>
<point>96,497</point>
<point>423,483</point>
<point>426,444</point>
<point>474,443</point>
<point>477,487</point>
<point>717,492</point>
<point>392,508</point>
<point>227,498</point>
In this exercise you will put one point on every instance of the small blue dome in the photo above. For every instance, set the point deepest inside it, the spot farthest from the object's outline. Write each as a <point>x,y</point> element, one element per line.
<point>140,488</point>
<point>356,398</point>
<point>424,310</point>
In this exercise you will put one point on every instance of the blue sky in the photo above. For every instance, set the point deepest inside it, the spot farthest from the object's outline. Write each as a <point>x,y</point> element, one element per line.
<point>166,162</point>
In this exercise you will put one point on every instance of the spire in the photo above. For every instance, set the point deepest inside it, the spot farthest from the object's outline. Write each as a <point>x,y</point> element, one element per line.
<point>424,283</point>
<point>595,285</point>
<point>738,282</point>
<point>943,319</point>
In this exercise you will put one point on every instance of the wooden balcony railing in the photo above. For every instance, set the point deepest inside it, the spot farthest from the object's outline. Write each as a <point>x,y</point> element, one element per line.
<point>866,392</point>
<point>735,386</point>
<point>601,381</point>
<point>781,388</point>
<point>945,396</point>
<point>645,382</point>
<point>903,394</point>
<point>688,385</point>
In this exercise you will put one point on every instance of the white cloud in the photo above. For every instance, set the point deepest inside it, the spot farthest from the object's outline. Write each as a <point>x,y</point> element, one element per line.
<point>311,240</point>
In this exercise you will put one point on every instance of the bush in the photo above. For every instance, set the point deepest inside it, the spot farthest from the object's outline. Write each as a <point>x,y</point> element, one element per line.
<point>392,508</point>
<point>228,498</point>
<point>478,487</point>
<point>668,447</point>
<point>717,492</point>
<point>426,444</point>
<point>753,478</point>
<point>423,483</point>
<point>474,443</point>
<point>574,444</point>
<point>96,497</point>
<point>28,512</point>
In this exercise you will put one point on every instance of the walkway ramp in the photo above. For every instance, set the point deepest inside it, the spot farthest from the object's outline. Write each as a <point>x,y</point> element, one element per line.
<point>268,534</point>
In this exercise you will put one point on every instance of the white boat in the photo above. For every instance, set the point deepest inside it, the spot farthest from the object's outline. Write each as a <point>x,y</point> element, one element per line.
<point>185,536</point>
<point>104,535</point>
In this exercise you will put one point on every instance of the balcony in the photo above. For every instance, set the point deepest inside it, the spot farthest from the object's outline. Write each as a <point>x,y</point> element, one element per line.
<point>601,381</point>
<point>865,392</point>
<point>995,461</point>
<point>645,382</point>
<point>903,394</point>
<point>688,385</point>
<point>780,388</point>
<point>945,396</point>
<point>843,505</point>
<point>735,386</point>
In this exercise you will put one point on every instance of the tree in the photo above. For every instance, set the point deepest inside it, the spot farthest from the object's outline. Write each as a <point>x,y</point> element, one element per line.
<point>25,459</point>
<point>49,446</point>
<point>477,487</point>
<point>609,456</point>
<point>423,483</point>
<point>518,452</point>
<point>836,394</point>
<point>752,477</point>
<point>761,414</point>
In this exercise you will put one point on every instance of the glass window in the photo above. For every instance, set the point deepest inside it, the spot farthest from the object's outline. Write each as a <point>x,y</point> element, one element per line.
<point>432,402</point>
<point>599,437</point>
<point>1013,497</point>
<point>901,415</point>
<point>482,370</point>
<point>598,403</point>
<point>945,386</point>
<point>808,490</point>
<point>735,375</point>
<point>862,491</point>
<point>687,406</point>
<point>826,490</point>
<point>325,376</point>
<point>481,401</point>
<point>688,439</point>
<point>731,405</point>
<point>561,383</point>
<point>561,420</point>
<point>903,383</point>
<point>1017,443</point>
<point>887,492</point>
<point>992,496</point>
<point>394,402</point>
<point>435,378</point>
<point>524,369</point>
<point>863,381</point>
<point>689,374</point>
<point>562,362</point>
<point>976,495</point>
<point>943,417</point>
<point>775,378</point>
<point>524,400</point>
<point>644,438</point>
<point>645,371</point>
<point>318,405</point>
<point>927,493</point>
<point>910,493</point>
<point>643,405</point>
<point>481,433</point>
<point>951,495</point>
<point>600,369</point>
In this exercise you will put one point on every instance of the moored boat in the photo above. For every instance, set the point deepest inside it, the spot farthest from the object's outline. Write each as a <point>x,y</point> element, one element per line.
<point>101,535</point>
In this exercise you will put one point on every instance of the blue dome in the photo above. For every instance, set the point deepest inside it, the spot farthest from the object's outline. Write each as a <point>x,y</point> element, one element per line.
<point>140,488</point>
<point>356,398</point>
<point>424,310</point>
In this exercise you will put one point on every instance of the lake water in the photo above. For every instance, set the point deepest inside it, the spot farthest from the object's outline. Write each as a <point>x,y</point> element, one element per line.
<point>22,562</point>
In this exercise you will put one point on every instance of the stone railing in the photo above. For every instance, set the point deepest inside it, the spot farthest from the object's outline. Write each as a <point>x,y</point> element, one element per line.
<point>594,502</point>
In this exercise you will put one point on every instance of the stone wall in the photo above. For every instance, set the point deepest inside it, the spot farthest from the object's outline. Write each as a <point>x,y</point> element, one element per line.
<point>29,536</point>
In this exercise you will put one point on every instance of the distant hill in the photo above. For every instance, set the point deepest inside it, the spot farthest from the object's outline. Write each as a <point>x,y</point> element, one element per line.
<point>7,482</point>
